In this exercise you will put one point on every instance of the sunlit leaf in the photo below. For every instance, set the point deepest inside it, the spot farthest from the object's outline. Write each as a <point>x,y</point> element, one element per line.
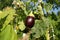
<point>10,17</point>
<point>21,26</point>
<point>8,33</point>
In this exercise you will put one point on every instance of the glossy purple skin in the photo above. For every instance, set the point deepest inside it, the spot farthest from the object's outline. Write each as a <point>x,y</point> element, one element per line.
<point>29,22</point>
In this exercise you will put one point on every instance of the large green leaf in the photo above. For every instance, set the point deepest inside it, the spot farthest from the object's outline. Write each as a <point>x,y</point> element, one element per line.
<point>8,33</point>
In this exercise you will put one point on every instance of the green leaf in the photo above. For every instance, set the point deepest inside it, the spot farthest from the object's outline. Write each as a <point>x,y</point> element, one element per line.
<point>21,25</point>
<point>2,14</point>
<point>8,19</point>
<point>8,33</point>
<point>6,11</point>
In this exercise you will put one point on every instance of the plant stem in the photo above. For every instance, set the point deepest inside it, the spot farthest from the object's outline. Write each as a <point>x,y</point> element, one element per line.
<point>47,34</point>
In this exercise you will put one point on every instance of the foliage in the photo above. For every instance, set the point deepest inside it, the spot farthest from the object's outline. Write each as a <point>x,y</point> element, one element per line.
<point>4,3</point>
<point>13,15</point>
<point>8,33</point>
